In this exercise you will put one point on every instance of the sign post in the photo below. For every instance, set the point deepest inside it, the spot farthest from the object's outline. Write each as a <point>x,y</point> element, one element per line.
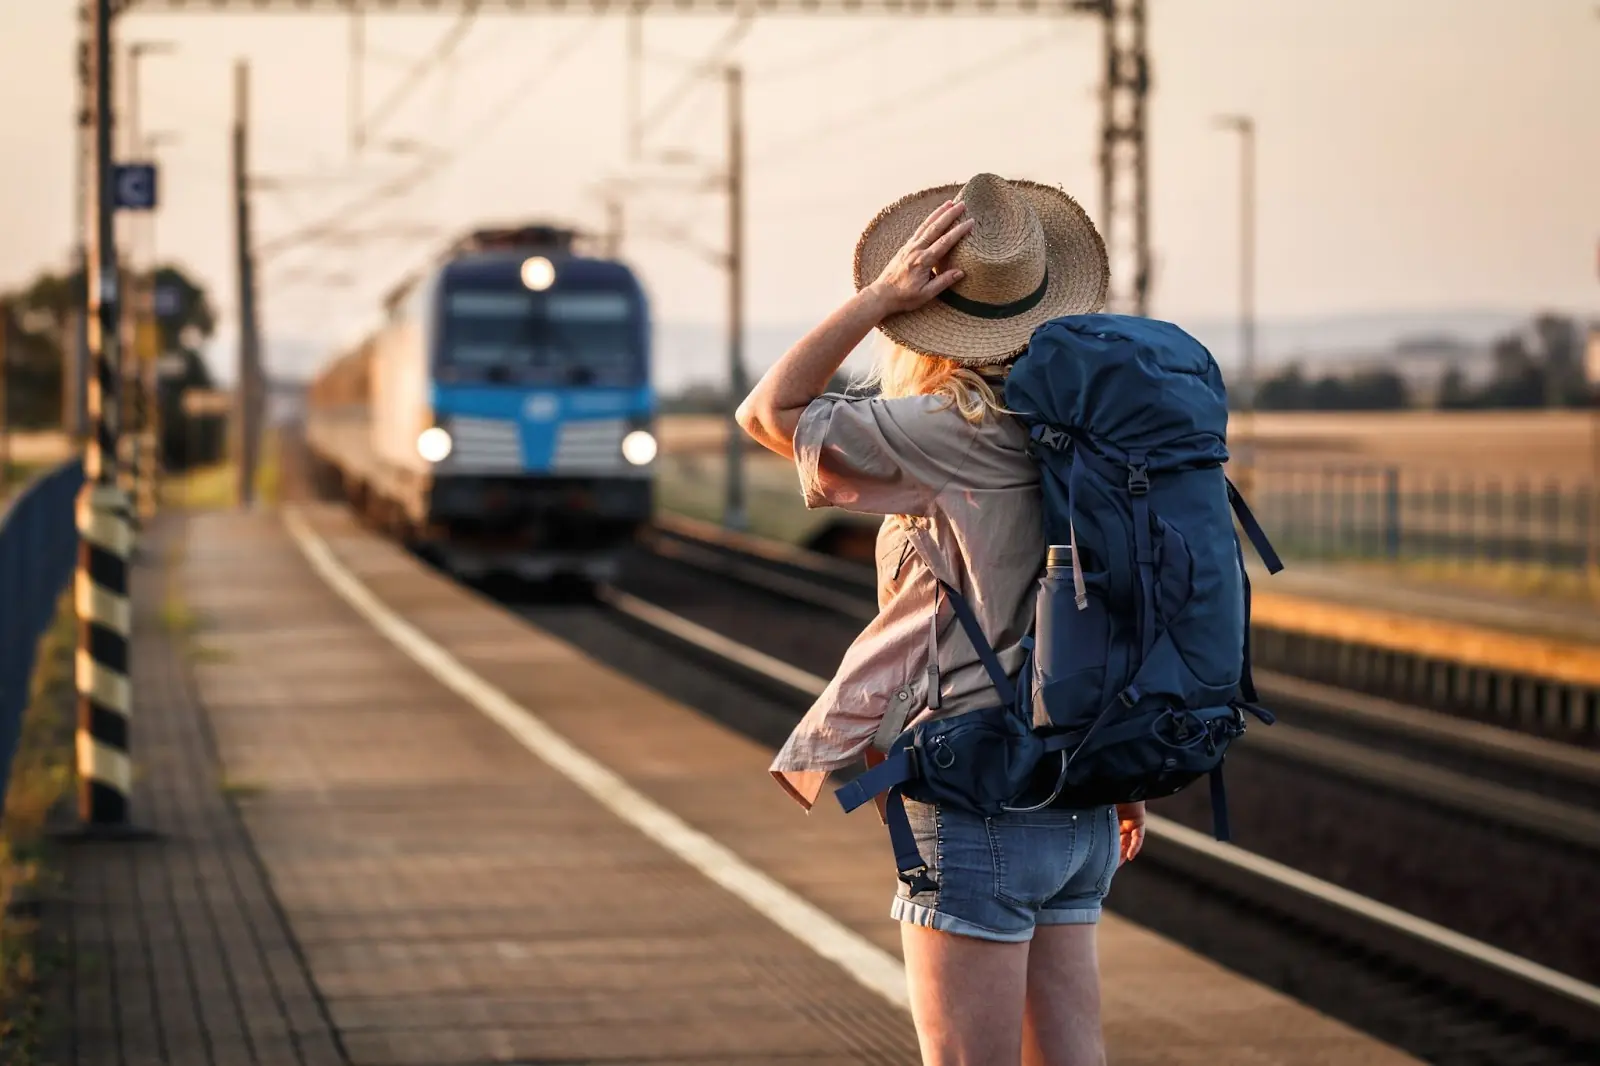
<point>168,300</point>
<point>133,186</point>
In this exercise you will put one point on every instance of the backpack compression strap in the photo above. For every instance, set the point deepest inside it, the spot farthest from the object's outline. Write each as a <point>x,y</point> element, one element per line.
<point>1253,530</point>
<point>1263,547</point>
<point>1247,682</point>
<point>1144,555</point>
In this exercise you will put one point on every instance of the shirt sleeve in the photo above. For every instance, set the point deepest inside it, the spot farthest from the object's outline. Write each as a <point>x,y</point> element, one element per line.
<point>877,456</point>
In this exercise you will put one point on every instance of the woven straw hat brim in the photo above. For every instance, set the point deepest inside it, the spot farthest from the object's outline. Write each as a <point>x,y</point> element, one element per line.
<point>1075,256</point>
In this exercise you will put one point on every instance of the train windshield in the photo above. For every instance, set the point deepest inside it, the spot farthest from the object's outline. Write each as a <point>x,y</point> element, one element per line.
<point>572,337</point>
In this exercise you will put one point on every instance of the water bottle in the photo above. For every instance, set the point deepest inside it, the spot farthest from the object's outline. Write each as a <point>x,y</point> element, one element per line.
<point>1071,632</point>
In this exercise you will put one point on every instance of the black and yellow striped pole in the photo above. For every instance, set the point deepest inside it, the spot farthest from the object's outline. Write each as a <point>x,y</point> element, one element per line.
<point>105,616</point>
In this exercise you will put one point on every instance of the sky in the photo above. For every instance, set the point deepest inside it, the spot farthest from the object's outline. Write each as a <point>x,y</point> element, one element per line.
<point>1419,158</point>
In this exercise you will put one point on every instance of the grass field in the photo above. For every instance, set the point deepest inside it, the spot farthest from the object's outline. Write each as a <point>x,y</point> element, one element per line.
<point>1511,510</point>
<point>41,779</point>
<point>214,487</point>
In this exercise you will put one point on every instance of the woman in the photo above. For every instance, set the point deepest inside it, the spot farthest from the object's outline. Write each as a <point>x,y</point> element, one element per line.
<point>1000,954</point>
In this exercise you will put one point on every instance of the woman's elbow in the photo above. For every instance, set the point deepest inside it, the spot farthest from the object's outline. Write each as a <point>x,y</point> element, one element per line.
<point>770,426</point>
<point>749,417</point>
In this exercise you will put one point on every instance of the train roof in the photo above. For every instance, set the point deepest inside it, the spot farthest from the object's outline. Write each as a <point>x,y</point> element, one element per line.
<point>502,266</point>
<point>490,248</point>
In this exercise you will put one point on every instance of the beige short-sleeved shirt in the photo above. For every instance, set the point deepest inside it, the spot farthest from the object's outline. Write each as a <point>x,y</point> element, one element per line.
<point>966,498</point>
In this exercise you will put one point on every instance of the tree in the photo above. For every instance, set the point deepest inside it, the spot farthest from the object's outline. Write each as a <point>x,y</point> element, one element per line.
<point>1518,378</point>
<point>1286,390</point>
<point>1540,365</point>
<point>44,311</point>
<point>1376,390</point>
<point>1454,392</point>
<point>1561,360</point>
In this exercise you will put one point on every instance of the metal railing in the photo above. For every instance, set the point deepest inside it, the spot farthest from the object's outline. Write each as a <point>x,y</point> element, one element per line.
<point>1332,511</point>
<point>38,551</point>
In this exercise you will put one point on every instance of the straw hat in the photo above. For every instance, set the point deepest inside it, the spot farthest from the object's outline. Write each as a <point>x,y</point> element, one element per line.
<point>1032,255</point>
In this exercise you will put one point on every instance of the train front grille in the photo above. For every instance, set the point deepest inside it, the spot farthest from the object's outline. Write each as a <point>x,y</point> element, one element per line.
<point>483,445</point>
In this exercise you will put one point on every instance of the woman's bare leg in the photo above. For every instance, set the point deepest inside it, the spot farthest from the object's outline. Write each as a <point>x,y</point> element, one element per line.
<point>1063,1016</point>
<point>966,997</point>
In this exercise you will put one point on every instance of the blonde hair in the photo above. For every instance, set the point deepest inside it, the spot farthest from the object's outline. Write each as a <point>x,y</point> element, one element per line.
<point>973,390</point>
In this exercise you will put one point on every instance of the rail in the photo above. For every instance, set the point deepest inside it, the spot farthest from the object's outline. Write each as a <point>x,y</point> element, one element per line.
<point>38,550</point>
<point>1397,941</point>
<point>1536,684</point>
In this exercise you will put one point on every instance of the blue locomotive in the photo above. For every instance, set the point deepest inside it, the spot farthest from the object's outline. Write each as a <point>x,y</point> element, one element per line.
<point>501,420</point>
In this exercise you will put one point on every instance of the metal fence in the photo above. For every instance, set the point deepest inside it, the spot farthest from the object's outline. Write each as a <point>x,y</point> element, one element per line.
<point>1388,512</point>
<point>38,552</point>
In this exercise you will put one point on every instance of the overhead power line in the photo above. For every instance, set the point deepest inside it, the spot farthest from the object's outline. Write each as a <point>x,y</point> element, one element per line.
<point>942,85</point>
<point>419,71</point>
<point>337,220</point>
<point>712,64</point>
<point>817,60</point>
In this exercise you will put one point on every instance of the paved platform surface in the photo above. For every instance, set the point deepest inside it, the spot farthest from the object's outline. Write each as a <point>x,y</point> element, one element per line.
<point>378,873</point>
<point>180,951</point>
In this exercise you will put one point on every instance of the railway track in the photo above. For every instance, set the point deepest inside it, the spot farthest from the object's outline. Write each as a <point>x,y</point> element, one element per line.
<point>1433,890</point>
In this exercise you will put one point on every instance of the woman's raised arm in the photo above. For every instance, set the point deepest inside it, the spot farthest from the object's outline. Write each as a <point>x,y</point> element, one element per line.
<point>772,410</point>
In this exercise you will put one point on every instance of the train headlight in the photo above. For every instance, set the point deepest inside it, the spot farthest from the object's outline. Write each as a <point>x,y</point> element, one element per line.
<point>538,273</point>
<point>639,447</point>
<point>434,444</point>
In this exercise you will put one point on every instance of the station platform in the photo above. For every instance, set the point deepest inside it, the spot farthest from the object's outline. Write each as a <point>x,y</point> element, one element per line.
<point>399,825</point>
<point>1389,589</point>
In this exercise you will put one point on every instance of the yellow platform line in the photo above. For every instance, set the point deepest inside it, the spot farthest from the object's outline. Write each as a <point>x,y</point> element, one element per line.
<point>1568,662</point>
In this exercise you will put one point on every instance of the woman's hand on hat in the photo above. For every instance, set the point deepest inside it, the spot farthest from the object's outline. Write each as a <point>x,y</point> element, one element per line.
<point>913,277</point>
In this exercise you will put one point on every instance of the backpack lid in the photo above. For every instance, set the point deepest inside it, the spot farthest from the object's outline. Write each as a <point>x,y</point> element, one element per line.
<point>1128,384</point>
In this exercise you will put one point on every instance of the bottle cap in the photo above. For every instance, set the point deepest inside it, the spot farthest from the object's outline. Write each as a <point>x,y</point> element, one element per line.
<point>1059,555</point>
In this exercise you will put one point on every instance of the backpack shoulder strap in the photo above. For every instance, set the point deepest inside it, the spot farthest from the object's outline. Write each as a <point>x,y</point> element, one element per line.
<point>969,623</point>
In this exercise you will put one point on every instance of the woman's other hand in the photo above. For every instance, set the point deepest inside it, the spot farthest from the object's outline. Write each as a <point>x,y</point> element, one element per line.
<point>913,277</point>
<point>1130,825</point>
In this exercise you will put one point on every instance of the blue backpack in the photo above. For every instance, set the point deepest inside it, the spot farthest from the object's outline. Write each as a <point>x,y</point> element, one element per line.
<point>1138,675</point>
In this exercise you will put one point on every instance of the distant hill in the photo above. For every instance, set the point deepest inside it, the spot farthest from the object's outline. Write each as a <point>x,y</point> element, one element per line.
<point>691,352</point>
<point>695,352</point>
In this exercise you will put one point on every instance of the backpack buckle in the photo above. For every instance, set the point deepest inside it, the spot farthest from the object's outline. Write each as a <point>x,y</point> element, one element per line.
<point>1051,437</point>
<point>917,881</point>
<point>1138,478</point>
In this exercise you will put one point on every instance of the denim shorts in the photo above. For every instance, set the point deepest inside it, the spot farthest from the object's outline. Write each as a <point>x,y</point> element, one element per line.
<point>999,877</point>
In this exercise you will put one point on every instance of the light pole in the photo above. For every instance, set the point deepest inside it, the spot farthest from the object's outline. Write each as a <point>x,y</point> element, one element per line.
<point>1245,126</point>
<point>735,514</point>
<point>138,311</point>
<point>729,178</point>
